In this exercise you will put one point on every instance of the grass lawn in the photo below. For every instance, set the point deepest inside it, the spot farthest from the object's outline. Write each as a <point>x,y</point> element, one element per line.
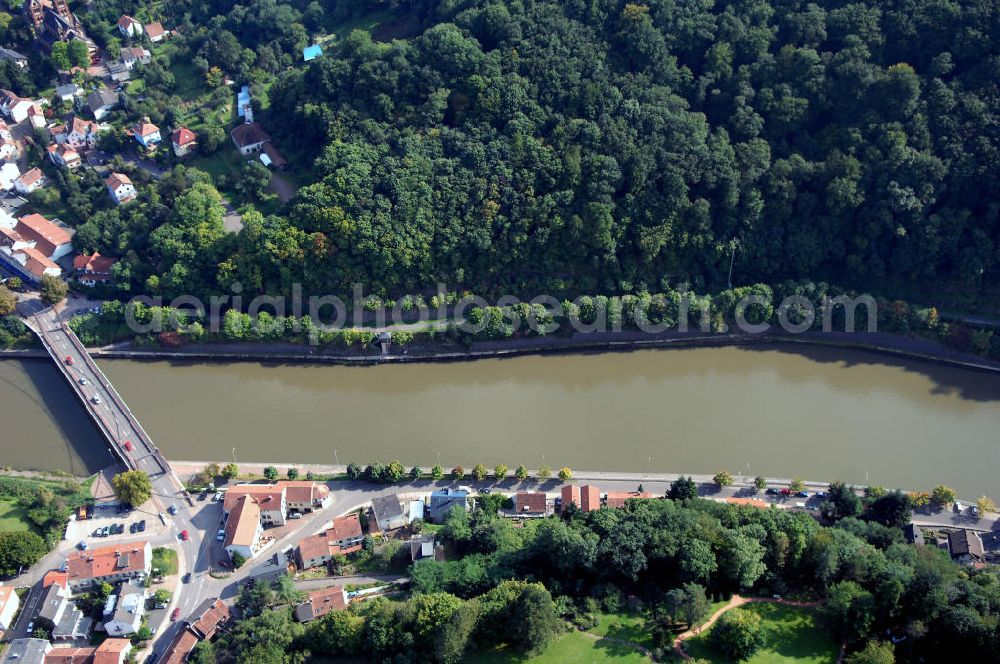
<point>135,87</point>
<point>793,635</point>
<point>574,647</point>
<point>337,31</point>
<point>624,626</point>
<point>165,560</point>
<point>12,517</point>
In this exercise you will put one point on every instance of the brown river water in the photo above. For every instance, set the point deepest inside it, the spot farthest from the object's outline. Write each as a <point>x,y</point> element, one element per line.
<point>818,413</point>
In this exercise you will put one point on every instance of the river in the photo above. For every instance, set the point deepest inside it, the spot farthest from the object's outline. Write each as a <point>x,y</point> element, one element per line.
<point>817,413</point>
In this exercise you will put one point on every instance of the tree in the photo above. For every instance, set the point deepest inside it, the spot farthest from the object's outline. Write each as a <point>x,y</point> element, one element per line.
<point>53,289</point>
<point>19,548</point>
<point>285,591</point>
<point>354,471</point>
<point>683,488</point>
<point>797,485</point>
<point>738,634</point>
<point>688,603</point>
<point>874,652</point>
<point>892,510</point>
<point>499,471</point>
<point>543,473</point>
<point>162,596</point>
<point>271,473</point>
<point>759,483</point>
<point>842,502</point>
<point>78,53</point>
<point>231,471</point>
<point>985,505</point>
<point>437,472</point>
<point>942,495</point>
<point>254,597</point>
<point>395,472</point>
<point>415,473</point>
<point>457,472</point>
<point>723,478</point>
<point>479,472</point>
<point>851,610</point>
<point>132,487</point>
<point>8,302</point>
<point>292,473</point>
<point>254,178</point>
<point>565,474</point>
<point>202,653</point>
<point>521,473</point>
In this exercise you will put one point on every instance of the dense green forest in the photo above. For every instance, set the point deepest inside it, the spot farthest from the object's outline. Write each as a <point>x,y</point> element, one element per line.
<point>611,147</point>
<point>521,586</point>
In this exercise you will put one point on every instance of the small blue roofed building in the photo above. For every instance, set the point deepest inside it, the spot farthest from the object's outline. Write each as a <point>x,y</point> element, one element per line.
<point>311,52</point>
<point>443,502</point>
<point>243,107</point>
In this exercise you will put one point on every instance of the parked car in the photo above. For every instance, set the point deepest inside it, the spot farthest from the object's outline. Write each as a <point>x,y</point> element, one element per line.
<point>175,614</point>
<point>486,492</point>
<point>172,509</point>
<point>786,491</point>
<point>803,494</point>
<point>142,526</point>
<point>772,491</point>
<point>97,532</point>
<point>958,507</point>
<point>133,527</point>
<point>163,518</point>
<point>295,515</point>
<point>82,545</point>
<point>105,531</point>
<point>220,536</point>
<point>31,626</point>
<point>974,511</point>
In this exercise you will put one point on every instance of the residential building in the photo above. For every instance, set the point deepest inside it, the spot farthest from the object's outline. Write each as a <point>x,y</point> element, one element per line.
<point>101,102</point>
<point>444,501</point>
<point>135,55</point>
<point>320,603</point>
<point>121,188</point>
<point>244,532</point>
<point>52,606</point>
<point>269,498</point>
<point>9,173</point>
<point>10,147</point>
<point>209,617</point>
<point>29,263</point>
<point>271,156</point>
<point>147,134</point>
<point>9,604</point>
<point>77,133</point>
<point>155,32</point>
<point>129,27</point>
<point>618,498</point>
<point>249,138</point>
<point>60,616</point>
<point>183,141</point>
<point>112,651</point>
<point>344,537</point>
<point>126,617</point>
<point>179,649</point>
<point>27,651</point>
<point>94,269</point>
<point>965,546</point>
<point>53,21</point>
<point>529,504</point>
<point>590,498</point>
<point>388,513</point>
<point>62,154</point>
<point>14,107</point>
<point>110,564</point>
<point>32,246</point>
<point>119,72</point>
<point>69,92</point>
<point>569,495</point>
<point>422,548</point>
<point>416,511</point>
<point>71,655</point>
<point>305,496</point>
<point>15,57</point>
<point>913,534</point>
<point>244,108</point>
<point>30,181</point>
<point>53,240</point>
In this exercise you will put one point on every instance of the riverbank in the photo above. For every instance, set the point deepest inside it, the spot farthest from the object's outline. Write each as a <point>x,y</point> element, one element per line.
<point>905,347</point>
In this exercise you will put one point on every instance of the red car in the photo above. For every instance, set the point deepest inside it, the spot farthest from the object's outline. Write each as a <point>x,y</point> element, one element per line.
<point>69,360</point>
<point>175,614</point>
<point>184,535</point>
<point>128,445</point>
<point>786,492</point>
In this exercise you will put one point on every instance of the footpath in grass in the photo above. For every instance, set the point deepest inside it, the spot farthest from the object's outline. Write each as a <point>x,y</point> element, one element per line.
<point>794,635</point>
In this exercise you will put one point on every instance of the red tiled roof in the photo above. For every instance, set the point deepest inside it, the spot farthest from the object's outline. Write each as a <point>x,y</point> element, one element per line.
<point>753,502</point>
<point>590,498</point>
<point>249,134</point>
<point>145,129</point>
<point>95,263</point>
<point>344,527</point>
<point>180,647</point>
<point>110,651</point>
<point>154,30</point>
<point>210,620</point>
<point>31,177</point>
<point>304,491</point>
<point>55,576</point>
<point>37,262</point>
<point>618,498</point>
<point>326,600</point>
<point>47,235</point>
<point>530,502</point>
<point>81,126</point>
<point>116,180</point>
<point>71,656</point>
<point>570,496</point>
<point>183,136</point>
<point>243,522</point>
<point>107,560</point>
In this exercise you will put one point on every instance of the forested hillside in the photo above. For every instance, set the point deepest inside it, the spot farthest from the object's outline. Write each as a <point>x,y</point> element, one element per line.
<point>604,145</point>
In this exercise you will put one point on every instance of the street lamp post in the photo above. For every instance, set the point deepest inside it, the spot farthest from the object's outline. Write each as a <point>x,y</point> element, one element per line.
<point>336,460</point>
<point>234,454</point>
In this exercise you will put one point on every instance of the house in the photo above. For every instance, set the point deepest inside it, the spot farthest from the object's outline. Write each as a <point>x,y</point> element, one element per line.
<point>305,496</point>
<point>345,536</point>
<point>77,133</point>
<point>14,107</point>
<point>71,655</point>
<point>529,504</point>
<point>590,498</point>
<point>63,155</point>
<point>443,502</point>
<point>271,156</point>
<point>129,27</point>
<point>53,21</point>
<point>9,173</point>
<point>913,534</point>
<point>58,614</point>
<point>55,577</point>
<point>119,71</point>
<point>110,564</point>
<point>34,230</point>
<point>147,134</point>
<point>30,181</point>
<point>184,141</point>
<point>312,52</point>
<point>101,102</point>
<point>27,651</point>
<point>130,604</point>
<point>388,513</point>
<point>244,532</point>
<point>732,500</point>
<point>269,498</point>
<point>569,495</point>
<point>155,32</point>
<point>422,548</point>
<point>69,92</point>
<point>179,649</point>
<point>29,263</point>
<point>9,604</point>
<point>10,148</point>
<point>416,511</point>
<point>618,498</point>
<point>966,546</point>
<point>112,651</point>
<point>244,109</point>
<point>36,116</point>
<point>15,57</point>
<point>320,603</point>
<point>249,138</point>
<point>94,269</point>
<point>135,55</point>
<point>209,617</point>
<point>121,188</point>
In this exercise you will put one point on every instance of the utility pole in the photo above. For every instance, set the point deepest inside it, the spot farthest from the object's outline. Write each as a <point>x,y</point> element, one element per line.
<point>234,454</point>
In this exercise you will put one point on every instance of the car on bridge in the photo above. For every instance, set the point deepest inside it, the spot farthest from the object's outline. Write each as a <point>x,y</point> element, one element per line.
<point>69,360</point>
<point>84,381</point>
<point>95,399</point>
<point>128,445</point>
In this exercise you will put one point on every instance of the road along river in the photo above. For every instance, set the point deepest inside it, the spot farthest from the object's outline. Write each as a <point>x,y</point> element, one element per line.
<point>818,413</point>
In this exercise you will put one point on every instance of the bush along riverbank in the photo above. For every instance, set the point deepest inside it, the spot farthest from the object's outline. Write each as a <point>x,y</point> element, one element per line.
<point>711,314</point>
